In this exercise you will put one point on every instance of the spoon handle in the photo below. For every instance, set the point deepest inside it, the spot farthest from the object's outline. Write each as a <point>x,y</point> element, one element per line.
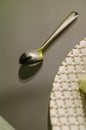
<point>67,21</point>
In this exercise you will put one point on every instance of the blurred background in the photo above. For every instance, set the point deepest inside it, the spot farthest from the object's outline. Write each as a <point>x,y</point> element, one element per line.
<point>26,24</point>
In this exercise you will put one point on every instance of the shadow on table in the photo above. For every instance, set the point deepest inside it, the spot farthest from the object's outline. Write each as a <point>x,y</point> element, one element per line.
<point>27,72</point>
<point>49,124</point>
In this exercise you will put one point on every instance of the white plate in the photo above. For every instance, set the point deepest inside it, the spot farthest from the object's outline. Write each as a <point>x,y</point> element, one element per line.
<point>66,106</point>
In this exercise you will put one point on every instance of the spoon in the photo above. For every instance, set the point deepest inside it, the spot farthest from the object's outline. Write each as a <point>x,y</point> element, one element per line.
<point>34,57</point>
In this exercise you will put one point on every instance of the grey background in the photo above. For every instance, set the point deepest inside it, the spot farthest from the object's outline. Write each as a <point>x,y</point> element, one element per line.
<point>25,24</point>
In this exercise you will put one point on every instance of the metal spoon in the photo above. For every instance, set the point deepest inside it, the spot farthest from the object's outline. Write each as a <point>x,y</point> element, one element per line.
<point>33,57</point>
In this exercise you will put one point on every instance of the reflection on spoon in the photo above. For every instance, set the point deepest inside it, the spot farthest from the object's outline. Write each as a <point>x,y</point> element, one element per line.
<point>36,56</point>
<point>27,72</point>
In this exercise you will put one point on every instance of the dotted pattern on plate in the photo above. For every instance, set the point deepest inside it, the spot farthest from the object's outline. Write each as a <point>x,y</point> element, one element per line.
<point>66,107</point>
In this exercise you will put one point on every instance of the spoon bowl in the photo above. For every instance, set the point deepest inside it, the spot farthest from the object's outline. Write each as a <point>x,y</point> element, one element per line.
<point>34,57</point>
<point>31,57</point>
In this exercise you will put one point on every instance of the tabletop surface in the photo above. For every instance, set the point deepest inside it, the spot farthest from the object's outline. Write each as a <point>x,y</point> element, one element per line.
<point>24,97</point>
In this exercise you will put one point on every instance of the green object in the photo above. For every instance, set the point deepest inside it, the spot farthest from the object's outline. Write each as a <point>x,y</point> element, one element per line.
<point>82,87</point>
<point>82,84</point>
<point>4,125</point>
